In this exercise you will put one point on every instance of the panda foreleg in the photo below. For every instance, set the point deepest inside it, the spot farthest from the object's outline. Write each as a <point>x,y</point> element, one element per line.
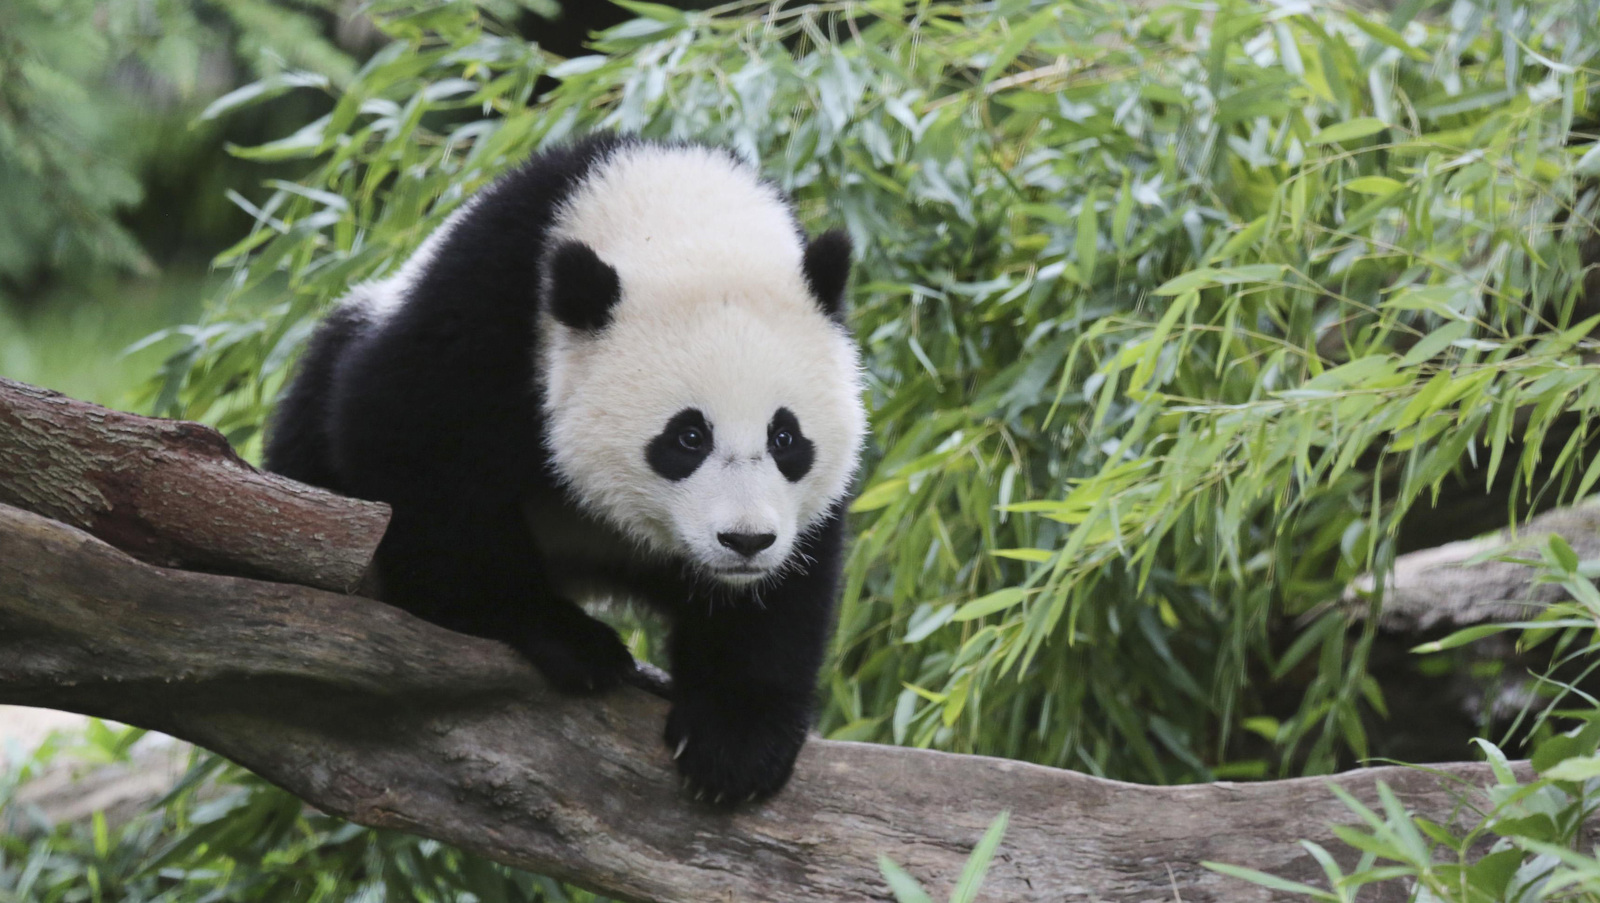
<point>744,678</point>
<point>478,574</point>
<point>742,686</point>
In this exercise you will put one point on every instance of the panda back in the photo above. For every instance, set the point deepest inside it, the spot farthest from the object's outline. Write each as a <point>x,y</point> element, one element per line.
<point>422,383</point>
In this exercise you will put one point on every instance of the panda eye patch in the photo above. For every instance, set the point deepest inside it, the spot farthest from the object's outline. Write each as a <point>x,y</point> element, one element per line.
<point>789,447</point>
<point>683,443</point>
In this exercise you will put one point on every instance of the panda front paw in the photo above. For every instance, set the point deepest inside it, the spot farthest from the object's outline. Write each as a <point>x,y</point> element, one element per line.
<point>580,656</point>
<point>730,755</point>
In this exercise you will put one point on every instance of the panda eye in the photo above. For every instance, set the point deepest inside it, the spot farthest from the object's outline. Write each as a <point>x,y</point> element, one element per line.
<point>692,439</point>
<point>782,439</point>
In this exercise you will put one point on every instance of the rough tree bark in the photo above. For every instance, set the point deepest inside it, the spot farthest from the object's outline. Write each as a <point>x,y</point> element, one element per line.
<point>379,717</point>
<point>173,493</point>
<point>384,719</point>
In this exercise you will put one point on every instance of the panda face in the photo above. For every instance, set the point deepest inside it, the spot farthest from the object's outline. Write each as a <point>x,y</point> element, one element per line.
<point>701,393</point>
<point>740,518</point>
<point>718,438</point>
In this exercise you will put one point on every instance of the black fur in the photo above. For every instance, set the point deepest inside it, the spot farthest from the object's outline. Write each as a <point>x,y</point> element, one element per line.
<point>672,454</point>
<point>827,269</point>
<point>736,674</point>
<point>794,459</point>
<point>583,288</point>
<point>435,410</point>
<point>298,444</point>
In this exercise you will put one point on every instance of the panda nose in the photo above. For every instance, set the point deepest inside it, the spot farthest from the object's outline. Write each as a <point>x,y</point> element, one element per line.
<point>747,544</point>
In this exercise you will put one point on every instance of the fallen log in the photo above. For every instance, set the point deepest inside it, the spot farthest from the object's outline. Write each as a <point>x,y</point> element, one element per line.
<point>75,790</point>
<point>1433,712</point>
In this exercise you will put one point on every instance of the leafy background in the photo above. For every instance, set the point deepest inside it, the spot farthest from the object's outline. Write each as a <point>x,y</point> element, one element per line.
<point>1176,319</point>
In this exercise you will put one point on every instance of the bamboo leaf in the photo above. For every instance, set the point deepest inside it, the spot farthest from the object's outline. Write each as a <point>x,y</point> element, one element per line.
<point>1349,130</point>
<point>999,600</point>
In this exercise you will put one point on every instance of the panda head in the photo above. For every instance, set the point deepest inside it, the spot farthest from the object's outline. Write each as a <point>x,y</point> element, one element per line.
<point>701,392</point>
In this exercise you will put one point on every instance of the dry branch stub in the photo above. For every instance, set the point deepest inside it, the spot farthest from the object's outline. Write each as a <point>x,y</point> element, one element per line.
<point>173,493</point>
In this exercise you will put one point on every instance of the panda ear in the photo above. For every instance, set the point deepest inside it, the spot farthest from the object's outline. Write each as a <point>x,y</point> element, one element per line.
<point>582,288</point>
<point>827,269</point>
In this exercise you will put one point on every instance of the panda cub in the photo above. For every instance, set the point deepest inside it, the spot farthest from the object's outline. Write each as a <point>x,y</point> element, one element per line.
<point>619,371</point>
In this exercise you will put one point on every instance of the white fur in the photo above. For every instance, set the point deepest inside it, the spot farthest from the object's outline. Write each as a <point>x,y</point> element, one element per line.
<point>715,315</point>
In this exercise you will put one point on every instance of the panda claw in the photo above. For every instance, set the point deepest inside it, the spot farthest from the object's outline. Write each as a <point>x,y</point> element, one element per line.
<point>752,797</point>
<point>682,745</point>
<point>718,800</point>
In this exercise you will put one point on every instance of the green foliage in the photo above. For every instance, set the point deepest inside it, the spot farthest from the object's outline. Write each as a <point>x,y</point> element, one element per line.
<point>1171,313</point>
<point>1530,831</point>
<point>88,90</point>
<point>1526,847</point>
<point>1170,316</point>
<point>223,834</point>
<point>78,348</point>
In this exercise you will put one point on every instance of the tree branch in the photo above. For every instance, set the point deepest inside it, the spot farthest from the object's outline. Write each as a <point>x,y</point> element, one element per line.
<point>389,721</point>
<point>173,493</point>
<point>379,717</point>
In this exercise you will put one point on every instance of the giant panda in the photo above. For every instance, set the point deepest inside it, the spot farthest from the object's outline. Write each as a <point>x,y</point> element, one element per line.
<point>622,370</point>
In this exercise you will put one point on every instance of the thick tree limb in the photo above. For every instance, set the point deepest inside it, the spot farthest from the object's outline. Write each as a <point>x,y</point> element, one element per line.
<point>173,493</point>
<point>374,715</point>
